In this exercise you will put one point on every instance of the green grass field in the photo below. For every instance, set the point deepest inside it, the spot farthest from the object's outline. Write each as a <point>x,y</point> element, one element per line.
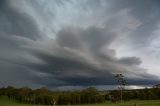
<point>6,102</point>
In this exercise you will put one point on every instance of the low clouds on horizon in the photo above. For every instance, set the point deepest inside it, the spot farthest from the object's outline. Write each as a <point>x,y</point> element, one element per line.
<point>67,42</point>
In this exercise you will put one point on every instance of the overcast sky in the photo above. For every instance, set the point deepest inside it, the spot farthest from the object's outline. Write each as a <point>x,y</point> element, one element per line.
<point>56,43</point>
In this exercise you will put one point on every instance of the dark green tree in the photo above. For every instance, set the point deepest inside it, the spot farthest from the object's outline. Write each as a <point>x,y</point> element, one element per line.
<point>121,84</point>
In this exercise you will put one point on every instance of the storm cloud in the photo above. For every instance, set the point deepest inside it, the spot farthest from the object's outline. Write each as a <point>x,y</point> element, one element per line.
<point>78,43</point>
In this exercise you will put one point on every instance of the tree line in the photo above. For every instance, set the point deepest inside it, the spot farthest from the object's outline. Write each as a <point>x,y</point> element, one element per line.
<point>86,96</point>
<point>46,97</point>
<point>137,94</point>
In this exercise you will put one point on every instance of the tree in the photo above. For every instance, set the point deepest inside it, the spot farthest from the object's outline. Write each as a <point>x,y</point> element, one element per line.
<point>121,84</point>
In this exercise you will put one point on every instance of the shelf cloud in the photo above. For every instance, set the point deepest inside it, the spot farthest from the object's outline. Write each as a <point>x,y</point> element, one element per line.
<point>78,43</point>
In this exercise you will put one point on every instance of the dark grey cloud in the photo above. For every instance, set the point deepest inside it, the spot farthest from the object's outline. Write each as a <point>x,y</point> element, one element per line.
<point>41,47</point>
<point>130,60</point>
<point>97,37</point>
<point>147,12</point>
<point>74,69</point>
<point>69,38</point>
<point>15,22</point>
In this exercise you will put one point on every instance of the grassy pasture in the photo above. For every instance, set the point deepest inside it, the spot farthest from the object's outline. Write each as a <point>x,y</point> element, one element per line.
<point>6,102</point>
